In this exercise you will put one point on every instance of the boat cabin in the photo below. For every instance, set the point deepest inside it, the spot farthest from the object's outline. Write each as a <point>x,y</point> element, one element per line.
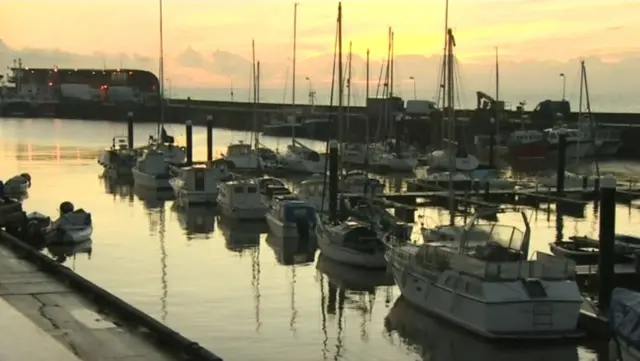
<point>361,183</point>
<point>153,162</point>
<point>203,179</point>
<point>120,143</point>
<point>573,135</point>
<point>239,149</point>
<point>245,192</point>
<point>292,210</point>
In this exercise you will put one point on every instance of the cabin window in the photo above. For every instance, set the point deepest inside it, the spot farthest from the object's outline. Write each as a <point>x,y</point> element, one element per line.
<point>238,189</point>
<point>252,189</point>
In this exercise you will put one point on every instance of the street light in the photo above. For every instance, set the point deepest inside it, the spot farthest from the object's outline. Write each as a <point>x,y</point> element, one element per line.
<point>415,94</point>
<point>564,85</point>
<point>312,94</point>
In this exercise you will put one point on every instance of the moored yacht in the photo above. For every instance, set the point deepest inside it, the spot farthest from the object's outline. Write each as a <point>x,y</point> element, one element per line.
<point>199,184</point>
<point>72,226</point>
<point>241,157</point>
<point>118,158</point>
<point>396,162</point>
<point>578,143</point>
<point>241,200</point>
<point>351,242</point>
<point>289,217</point>
<point>173,154</point>
<point>152,170</point>
<point>486,285</point>
<point>302,159</point>
<point>463,160</point>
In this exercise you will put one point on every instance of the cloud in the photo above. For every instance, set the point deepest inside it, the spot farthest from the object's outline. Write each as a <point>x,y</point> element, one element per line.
<point>613,74</point>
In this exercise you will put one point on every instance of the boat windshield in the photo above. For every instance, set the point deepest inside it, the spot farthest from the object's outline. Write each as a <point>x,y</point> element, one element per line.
<point>504,236</point>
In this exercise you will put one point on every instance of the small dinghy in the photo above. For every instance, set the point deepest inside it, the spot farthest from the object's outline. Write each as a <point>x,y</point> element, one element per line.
<point>18,184</point>
<point>73,226</point>
<point>586,251</point>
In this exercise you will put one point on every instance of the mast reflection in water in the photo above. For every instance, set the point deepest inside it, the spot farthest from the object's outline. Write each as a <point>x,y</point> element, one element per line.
<point>196,221</point>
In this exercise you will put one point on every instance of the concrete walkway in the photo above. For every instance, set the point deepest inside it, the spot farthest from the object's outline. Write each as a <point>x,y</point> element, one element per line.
<point>42,319</point>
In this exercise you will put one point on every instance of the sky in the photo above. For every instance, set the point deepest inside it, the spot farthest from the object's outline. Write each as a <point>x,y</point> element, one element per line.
<point>207,44</point>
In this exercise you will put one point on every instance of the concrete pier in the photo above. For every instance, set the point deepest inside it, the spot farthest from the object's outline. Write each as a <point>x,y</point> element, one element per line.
<point>47,319</point>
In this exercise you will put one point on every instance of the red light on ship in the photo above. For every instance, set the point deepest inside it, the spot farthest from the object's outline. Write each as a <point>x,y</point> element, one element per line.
<point>50,84</point>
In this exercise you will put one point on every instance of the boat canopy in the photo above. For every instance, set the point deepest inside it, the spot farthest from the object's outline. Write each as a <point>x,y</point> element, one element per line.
<point>293,210</point>
<point>625,315</point>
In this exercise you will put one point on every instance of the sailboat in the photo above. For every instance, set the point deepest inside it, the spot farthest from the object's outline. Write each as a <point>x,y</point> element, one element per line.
<point>298,157</point>
<point>151,169</point>
<point>347,241</point>
<point>241,156</point>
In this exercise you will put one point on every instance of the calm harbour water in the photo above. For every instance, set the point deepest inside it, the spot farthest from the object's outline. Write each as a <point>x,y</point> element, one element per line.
<point>225,286</point>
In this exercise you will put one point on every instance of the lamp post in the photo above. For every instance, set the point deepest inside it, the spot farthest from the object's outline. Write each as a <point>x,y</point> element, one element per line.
<point>415,94</point>
<point>312,94</point>
<point>564,85</point>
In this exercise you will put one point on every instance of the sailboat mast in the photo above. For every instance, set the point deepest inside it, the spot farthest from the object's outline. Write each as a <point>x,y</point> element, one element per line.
<point>451,121</point>
<point>161,70</point>
<point>443,85</point>
<point>497,76</point>
<point>255,89</point>
<point>392,67</point>
<point>349,85</point>
<point>293,80</point>
<point>340,77</point>
<point>368,70</point>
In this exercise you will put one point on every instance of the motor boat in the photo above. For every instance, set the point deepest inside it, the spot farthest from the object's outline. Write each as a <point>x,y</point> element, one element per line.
<point>242,158</point>
<point>586,251</point>
<point>473,285</point>
<point>173,154</point>
<point>271,187</point>
<point>624,315</point>
<point>440,181</point>
<point>351,242</point>
<point>578,142</point>
<point>395,162</point>
<point>72,226</point>
<point>118,159</point>
<point>302,159</point>
<point>289,217</point>
<point>152,171</point>
<point>18,184</point>
<point>198,184</point>
<point>241,200</point>
<point>463,161</point>
<point>571,180</point>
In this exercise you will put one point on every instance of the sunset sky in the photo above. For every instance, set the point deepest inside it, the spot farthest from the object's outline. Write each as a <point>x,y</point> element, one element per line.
<point>529,33</point>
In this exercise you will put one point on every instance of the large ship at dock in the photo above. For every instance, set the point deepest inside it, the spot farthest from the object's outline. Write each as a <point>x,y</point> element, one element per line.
<point>76,93</point>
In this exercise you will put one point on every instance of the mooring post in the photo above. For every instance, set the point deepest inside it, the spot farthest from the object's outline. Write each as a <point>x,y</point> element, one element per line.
<point>562,158</point>
<point>189,136</point>
<point>333,181</point>
<point>607,240</point>
<point>130,129</point>
<point>209,138</point>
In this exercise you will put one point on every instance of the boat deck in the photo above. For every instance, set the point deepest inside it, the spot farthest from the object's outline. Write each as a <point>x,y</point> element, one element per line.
<point>45,320</point>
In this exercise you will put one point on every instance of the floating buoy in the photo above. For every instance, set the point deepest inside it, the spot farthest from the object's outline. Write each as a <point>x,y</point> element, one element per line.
<point>66,207</point>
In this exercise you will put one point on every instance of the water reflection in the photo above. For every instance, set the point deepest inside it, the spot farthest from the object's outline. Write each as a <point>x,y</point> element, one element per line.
<point>437,341</point>
<point>196,221</point>
<point>241,236</point>
<point>120,188</point>
<point>291,251</point>
<point>153,198</point>
<point>62,252</point>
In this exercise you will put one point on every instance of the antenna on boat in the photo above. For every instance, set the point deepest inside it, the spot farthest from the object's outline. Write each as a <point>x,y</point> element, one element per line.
<point>293,69</point>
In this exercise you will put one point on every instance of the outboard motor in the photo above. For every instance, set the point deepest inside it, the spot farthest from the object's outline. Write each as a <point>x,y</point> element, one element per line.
<point>66,207</point>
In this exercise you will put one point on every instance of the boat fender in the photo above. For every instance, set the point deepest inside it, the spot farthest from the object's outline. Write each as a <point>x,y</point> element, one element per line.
<point>66,207</point>
<point>27,177</point>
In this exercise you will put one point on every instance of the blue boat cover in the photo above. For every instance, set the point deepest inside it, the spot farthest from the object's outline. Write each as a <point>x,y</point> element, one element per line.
<point>294,210</point>
<point>624,315</point>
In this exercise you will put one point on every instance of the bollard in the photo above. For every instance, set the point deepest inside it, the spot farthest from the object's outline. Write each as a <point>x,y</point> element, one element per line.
<point>130,129</point>
<point>562,158</point>
<point>607,240</point>
<point>189,136</point>
<point>333,181</point>
<point>209,138</point>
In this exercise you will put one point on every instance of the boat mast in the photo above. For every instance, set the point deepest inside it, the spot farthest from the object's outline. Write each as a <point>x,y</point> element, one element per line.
<point>161,73</point>
<point>366,100</point>
<point>255,90</point>
<point>348,83</point>
<point>443,85</point>
<point>451,120</point>
<point>497,76</point>
<point>293,80</point>
<point>340,83</point>
<point>592,124</point>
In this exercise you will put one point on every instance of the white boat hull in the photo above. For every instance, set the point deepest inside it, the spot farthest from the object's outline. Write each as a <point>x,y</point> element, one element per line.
<point>147,180</point>
<point>499,320</point>
<point>185,196</point>
<point>349,256</point>
<point>69,235</point>
<point>285,230</point>
<point>398,164</point>
<point>241,213</point>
